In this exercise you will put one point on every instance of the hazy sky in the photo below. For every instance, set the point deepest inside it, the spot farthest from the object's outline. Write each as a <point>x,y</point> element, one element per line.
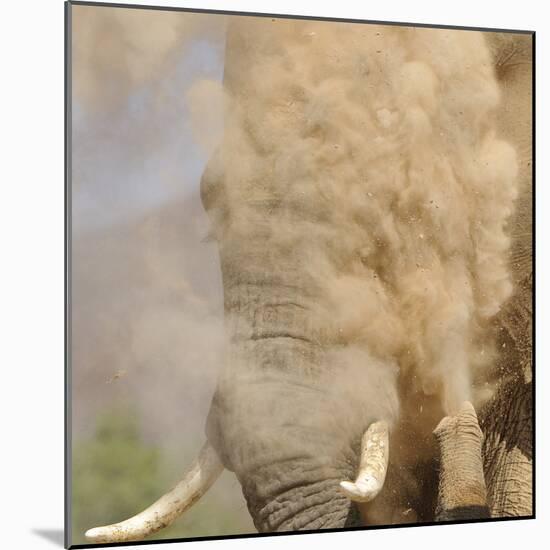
<point>147,300</point>
<point>147,307</point>
<point>136,151</point>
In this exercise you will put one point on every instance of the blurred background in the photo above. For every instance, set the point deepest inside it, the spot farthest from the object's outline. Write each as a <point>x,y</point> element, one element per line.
<point>147,304</point>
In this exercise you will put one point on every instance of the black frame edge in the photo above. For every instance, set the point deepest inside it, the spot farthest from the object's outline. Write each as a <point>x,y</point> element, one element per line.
<point>287,16</point>
<point>308,532</point>
<point>534,265</point>
<point>67,273</point>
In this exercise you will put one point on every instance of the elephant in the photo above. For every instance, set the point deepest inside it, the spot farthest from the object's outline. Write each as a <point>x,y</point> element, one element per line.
<point>322,376</point>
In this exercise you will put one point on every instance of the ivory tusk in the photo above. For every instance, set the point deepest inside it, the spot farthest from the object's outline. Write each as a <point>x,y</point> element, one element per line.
<point>202,474</point>
<point>372,467</point>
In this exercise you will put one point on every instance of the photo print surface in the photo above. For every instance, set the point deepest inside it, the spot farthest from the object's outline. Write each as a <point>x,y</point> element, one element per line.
<point>300,274</point>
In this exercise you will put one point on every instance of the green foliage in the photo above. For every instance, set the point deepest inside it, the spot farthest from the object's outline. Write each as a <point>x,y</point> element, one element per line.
<point>116,474</point>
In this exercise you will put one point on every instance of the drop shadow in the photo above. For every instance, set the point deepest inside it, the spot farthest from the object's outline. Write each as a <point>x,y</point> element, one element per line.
<point>53,535</point>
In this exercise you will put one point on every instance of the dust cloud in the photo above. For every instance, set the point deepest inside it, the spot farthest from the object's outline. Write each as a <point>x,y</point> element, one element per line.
<point>116,50</point>
<point>388,137</point>
<point>147,299</point>
<point>147,307</point>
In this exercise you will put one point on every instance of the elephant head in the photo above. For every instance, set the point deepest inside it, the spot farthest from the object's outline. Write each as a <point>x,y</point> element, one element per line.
<point>359,200</point>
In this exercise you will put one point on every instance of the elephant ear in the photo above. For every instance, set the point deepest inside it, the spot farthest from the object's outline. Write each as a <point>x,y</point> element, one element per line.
<point>521,257</point>
<point>516,317</point>
<point>516,323</point>
<point>512,55</point>
<point>512,58</point>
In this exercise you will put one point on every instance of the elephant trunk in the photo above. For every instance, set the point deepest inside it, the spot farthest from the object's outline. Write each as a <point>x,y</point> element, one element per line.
<point>462,491</point>
<point>273,419</point>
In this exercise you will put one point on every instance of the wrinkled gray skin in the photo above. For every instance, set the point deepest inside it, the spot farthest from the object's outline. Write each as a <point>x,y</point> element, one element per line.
<point>486,464</point>
<point>290,469</point>
<point>493,455</point>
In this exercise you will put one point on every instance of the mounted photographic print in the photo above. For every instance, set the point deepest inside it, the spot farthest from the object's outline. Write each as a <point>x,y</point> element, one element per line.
<point>300,290</point>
